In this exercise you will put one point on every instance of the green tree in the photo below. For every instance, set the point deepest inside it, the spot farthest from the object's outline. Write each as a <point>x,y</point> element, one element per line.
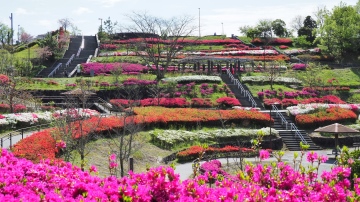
<point>279,28</point>
<point>4,34</point>
<point>307,29</point>
<point>340,33</point>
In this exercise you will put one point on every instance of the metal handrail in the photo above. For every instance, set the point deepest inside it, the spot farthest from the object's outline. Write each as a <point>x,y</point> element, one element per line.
<point>70,60</point>
<point>283,120</point>
<point>74,70</point>
<point>292,125</point>
<point>246,92</point>
<point>18,132</point>
<point>89,58</point>
<point>253,103</point>
<point>96,52</point>
<point>81,47</point>
<point>54,71</point>
<point>297,132</point>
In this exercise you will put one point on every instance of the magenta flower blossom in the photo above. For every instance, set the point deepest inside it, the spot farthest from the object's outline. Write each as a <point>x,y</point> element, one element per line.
<point>264,154</point>
<point>60,144</point>
<point>312,156</point>
<point>112,157</point>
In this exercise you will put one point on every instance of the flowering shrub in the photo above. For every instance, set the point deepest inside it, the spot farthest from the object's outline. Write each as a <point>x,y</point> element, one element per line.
<point>201,103</point>
<point>70,85</point>
<point>228,102</point>
<point>257,183</point>
<point>28,118</point>
<point>308,108</point>
<point>283,47</point>
<point>5,108</point>
<point>195,78</point>
<point>108,46</point>
<point>98,68</point>
<point>134,81</point>
<point>261,79</point>
<point>299,66</point>
<point>193,152</point>
<point>4,79</point>
<point>52,82</point>
<point>170,138</point>
<point>75,113</point>
<point>272,101</point>
<point>280,41</point>
<point>165,102</point>
<point>327,116</point>
<point>180,42</point>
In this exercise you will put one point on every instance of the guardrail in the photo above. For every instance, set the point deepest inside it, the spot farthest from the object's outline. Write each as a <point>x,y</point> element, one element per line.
<point>70,60</point>
<point>8,139</point>
<point>89,58</point>
<point>292,125</point>
<point>74,70</point>
<point>81,47</point>
<point>54,71</point>
<point>243,91</point>
<point>96,52</point>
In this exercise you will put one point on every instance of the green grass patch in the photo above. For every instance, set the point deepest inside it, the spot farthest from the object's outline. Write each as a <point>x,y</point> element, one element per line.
<point>258,88</point>
<point>25,53</point>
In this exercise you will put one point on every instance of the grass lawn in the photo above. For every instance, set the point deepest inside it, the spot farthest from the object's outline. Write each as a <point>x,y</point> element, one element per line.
<point>145,154</point>
<point>257,88</point>
<point>25,53</point>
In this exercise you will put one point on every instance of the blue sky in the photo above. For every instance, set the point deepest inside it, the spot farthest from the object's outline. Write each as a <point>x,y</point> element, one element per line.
<point>41,16</point>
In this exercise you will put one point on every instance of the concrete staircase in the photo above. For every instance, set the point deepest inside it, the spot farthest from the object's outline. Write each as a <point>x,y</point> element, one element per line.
<point>289,137</point>
<point>244,100</point>
<point>90,44</point>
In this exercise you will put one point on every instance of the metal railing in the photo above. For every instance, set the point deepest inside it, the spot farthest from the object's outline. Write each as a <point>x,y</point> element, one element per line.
<point>243,91</point>
<point>96,52</point>
<point>292,125</point>
<point>54,71</point>
<point>70,60</point>
<point>81,47</point>
<point>8,139</point>
<point>89,58</point>
<point>74,70</point>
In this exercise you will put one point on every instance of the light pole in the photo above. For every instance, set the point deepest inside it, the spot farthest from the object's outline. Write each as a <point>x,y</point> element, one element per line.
<point>18,33</point>
<point>100,24</point>
<point>199,23</point>
<point>222,28</point>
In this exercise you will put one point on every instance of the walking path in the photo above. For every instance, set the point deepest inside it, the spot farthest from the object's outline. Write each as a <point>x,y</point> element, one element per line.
<point>185,170</point>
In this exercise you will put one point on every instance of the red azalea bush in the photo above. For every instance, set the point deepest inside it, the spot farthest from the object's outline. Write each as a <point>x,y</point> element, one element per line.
<point>201,103</point>
<point>283,47</point>
<point>5,108</point>
<point>226,102</point>
<point>194,152</point>
<point>274,41</point>
<point>288,102</point>
<point>108,46</point>
<point>4,79</point>
<point>39,145</point>
<point>135,81</point>
<point>272,101</point>
<point>324,117</point>
<point>180,42</point>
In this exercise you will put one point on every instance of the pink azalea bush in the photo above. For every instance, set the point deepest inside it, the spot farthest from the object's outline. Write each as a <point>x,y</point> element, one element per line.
<point>22,180</point>
<point>101,68</point>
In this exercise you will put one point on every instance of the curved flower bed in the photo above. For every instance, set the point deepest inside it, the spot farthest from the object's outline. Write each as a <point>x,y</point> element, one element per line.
<point>195,78</point>
<point>169,138</point>
<point>262,79</point>
<point>308,108</point>
<point>150,116</point>
<point>324,117</point>
<point>25,118</point>
<point>51,182</point>
<point>99,68</point>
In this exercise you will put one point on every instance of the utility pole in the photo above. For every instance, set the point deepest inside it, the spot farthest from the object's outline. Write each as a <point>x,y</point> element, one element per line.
<point>12,29</point>
<point>199,23</point>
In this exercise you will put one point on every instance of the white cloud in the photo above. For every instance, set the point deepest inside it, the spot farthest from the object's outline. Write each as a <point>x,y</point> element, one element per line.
<point>22,11</point>
<point>45,23</point>
<point>108,3</point>
<point>82,10</point>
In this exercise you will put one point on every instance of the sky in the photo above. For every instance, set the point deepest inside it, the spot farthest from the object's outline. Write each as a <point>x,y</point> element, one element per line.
<point>225,16</point>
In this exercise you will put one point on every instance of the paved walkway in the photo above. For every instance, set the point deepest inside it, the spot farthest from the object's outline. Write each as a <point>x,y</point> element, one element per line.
<point>185,170</point>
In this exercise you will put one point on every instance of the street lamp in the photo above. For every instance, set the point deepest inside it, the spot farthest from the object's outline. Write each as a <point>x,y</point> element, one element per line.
<point>199,23</point>
<point>222,27</point>
<point>100,24</point>
<point>18,33</point>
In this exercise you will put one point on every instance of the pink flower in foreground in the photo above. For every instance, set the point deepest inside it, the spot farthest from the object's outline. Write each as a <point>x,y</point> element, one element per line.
<point>350,161</point>
<point>312,156</point>
<point>93,169</point>
<point>112,157</point>
<point>264,154</point>
<point>323,159</point>
<point>113,165</point>
<point>61,144</point>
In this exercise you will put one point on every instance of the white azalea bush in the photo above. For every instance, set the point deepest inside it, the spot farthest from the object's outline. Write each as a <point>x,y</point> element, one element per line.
<point>308,108</point>
<point>195,78</point>
<point>261,79</point>
<point>25,118</point>
<point>170,138</point>
<point>76,113</point>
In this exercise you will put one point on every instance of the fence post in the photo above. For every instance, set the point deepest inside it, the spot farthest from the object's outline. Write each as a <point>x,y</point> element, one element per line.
<point>39,128</point>
<point>1,142</point>
<point>131,163</point>
<point>22,133</point>
<point>10,135</point>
